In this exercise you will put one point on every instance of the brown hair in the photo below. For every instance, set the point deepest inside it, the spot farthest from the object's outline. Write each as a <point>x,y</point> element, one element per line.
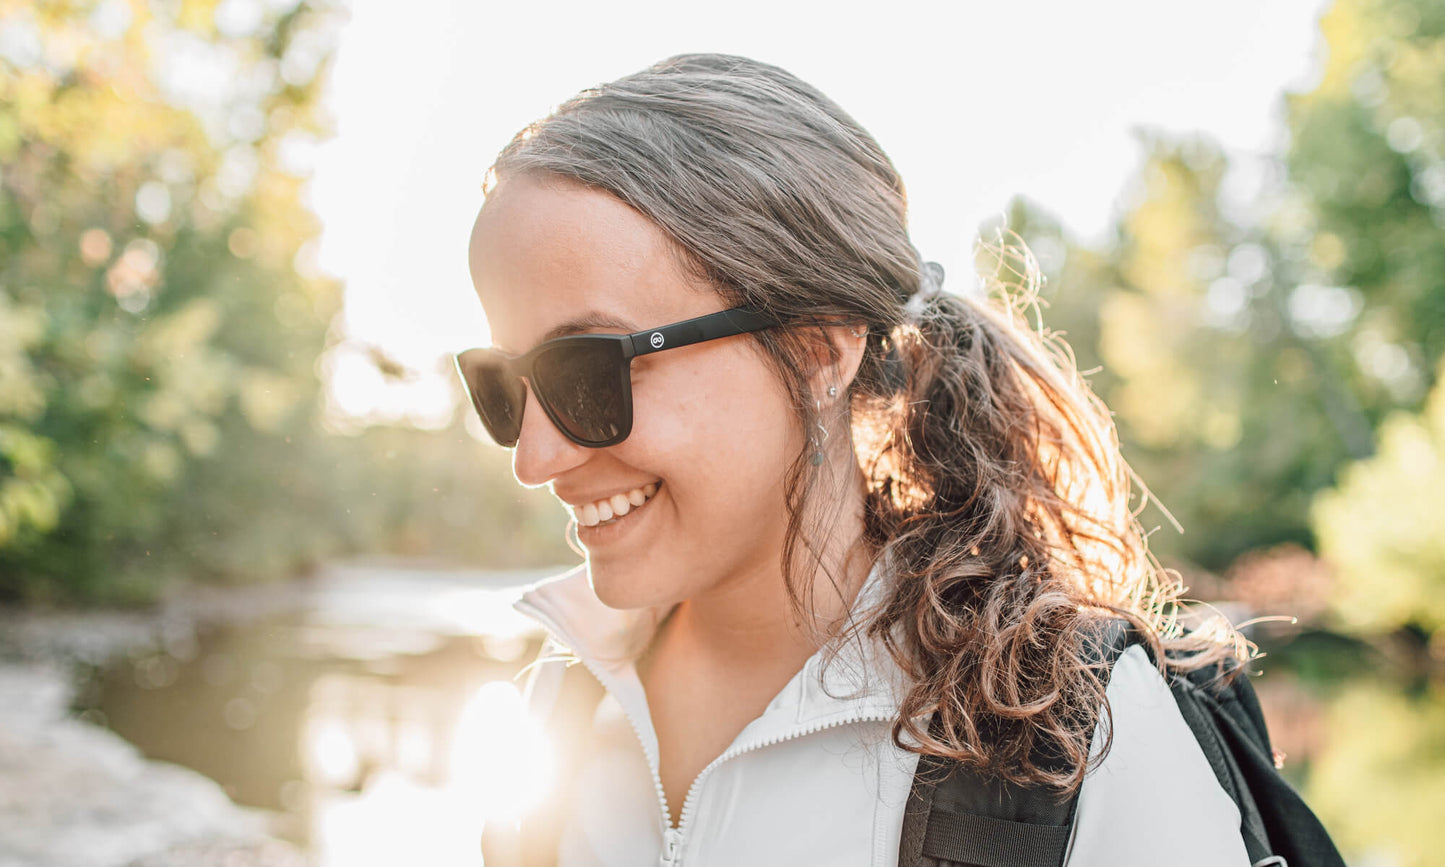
<point>996,490</point>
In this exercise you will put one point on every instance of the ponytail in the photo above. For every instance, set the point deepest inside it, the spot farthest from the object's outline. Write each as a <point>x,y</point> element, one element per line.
<point>1001,502</point>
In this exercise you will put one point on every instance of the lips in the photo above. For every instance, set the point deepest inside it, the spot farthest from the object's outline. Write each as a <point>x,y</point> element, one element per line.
<point>613,507</point>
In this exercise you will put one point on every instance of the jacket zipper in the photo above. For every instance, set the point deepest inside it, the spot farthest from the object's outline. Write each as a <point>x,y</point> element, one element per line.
<point>671,847</point>
<point>733,752</point>
<point>671,840</point>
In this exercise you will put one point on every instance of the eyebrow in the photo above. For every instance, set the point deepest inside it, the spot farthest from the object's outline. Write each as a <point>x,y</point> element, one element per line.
<point>587,322</point>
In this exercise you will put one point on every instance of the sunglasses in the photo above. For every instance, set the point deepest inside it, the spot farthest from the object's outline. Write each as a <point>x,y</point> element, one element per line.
<point>583,382</point>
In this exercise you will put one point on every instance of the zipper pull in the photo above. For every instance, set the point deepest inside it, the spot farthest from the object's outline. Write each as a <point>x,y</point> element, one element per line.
<point>671,848</point>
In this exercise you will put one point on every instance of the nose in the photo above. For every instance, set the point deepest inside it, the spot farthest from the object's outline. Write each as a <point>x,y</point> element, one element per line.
<point>542,453</point>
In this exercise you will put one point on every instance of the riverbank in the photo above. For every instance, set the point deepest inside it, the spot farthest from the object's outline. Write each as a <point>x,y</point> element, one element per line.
<point>74,794</point>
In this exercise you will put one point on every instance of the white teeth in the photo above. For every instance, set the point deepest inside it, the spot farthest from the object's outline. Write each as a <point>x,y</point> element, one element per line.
<point>614,506</point>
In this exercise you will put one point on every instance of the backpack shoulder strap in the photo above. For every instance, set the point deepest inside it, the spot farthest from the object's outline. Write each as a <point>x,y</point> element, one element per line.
<point>565,695</point>
<point>957,816</point>
<point>954,817</point>
<point>1225,717</point>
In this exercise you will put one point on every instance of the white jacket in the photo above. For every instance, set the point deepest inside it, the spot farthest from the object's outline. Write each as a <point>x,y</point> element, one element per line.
<point>816,779</point>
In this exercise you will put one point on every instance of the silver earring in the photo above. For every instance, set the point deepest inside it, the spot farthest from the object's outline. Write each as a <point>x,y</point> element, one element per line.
<point>818,441</point>
<point>832,391</point>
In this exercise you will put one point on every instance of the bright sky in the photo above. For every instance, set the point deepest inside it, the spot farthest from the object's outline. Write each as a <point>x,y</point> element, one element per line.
<point>976,102</point>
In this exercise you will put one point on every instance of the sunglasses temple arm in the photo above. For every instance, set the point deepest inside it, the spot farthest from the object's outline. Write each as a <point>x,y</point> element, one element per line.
<point>725,323</point>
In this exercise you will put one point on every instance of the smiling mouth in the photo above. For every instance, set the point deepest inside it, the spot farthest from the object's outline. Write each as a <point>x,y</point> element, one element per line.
<point>609,509</point>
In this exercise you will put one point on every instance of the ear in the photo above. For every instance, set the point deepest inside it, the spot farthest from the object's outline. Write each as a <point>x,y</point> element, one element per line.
<point>837,361</point>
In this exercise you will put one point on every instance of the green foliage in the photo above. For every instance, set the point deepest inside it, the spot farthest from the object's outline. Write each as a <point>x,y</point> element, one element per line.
<point>160,335</point>
<point>1232,402</point>
<point>1255,320</point>
<point>1368,155</point>
<point>1381,528</point>
<point>155,329</point>
<point>444,495</point>
<point>1379,780</point>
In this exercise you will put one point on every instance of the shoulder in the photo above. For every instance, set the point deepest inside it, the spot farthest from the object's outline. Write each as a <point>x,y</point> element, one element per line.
<point>1154,793</point>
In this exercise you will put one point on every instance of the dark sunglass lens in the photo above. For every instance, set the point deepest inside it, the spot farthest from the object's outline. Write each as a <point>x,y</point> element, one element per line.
<point>499,398</point>
<point>583,383</point>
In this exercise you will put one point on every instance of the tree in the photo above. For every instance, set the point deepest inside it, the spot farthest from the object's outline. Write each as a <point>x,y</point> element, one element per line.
<point>1226,389</point>
<point>1381,528</point>
<point>1255,319</point>
<point>1367,157</point>
<point>159,366</point>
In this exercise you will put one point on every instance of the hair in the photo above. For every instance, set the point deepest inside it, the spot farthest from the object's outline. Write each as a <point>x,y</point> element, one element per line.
<point>996,492</point>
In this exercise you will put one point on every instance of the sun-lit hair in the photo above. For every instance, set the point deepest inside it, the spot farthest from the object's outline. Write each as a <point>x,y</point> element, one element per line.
<point>996,492</point>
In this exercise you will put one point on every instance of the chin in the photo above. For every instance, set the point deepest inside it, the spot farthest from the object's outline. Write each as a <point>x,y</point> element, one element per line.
<point>619,587</point>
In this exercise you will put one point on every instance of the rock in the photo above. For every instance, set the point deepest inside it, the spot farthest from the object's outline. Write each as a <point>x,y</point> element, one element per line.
<point>267,853</point>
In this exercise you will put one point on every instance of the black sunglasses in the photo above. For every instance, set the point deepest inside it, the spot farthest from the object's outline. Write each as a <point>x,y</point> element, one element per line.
<point>583,382</point>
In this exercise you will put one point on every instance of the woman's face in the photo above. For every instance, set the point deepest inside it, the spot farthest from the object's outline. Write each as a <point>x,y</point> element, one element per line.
<point>713,429</point>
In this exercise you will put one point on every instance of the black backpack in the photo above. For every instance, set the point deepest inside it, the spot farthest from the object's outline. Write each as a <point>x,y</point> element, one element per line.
<point>956,817</point>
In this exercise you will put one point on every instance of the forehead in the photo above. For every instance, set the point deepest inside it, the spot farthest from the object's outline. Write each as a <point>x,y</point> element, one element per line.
<point>550,256</point>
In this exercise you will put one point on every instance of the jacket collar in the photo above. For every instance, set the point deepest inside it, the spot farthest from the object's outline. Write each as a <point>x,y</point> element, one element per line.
<point>568,608</point>
<point>854,677</point>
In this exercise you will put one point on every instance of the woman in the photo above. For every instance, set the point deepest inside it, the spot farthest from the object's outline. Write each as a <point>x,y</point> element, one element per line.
<point>834,519</point>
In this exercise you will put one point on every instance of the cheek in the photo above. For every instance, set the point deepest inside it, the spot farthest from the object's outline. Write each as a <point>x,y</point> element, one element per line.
<point>727,430</point>
<point>721,436</point>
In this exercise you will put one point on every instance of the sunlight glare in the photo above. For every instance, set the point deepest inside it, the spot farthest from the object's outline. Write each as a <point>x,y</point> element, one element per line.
<point>397,821</point>
<point>333,752</point>
<point>357,389</point>
<point>482,612</point>
<point>502,762</point>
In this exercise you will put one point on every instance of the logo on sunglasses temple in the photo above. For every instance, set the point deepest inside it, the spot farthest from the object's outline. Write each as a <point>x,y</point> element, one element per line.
<point>656,340</point>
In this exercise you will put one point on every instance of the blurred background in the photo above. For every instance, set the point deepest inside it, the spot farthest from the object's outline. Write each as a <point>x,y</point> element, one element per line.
<point>245,527</point>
